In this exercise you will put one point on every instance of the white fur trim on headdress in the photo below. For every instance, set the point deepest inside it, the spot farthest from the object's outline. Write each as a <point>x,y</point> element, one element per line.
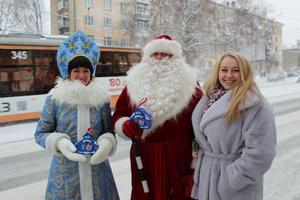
<point>163,45</point>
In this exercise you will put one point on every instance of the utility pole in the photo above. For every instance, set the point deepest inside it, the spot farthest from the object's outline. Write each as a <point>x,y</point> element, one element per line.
<point>74,14</point>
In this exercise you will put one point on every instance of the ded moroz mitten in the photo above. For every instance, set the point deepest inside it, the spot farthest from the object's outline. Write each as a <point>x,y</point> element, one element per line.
<point>132,129</point>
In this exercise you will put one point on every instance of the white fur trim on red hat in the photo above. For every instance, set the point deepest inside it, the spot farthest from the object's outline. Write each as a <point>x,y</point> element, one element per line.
<point>164,46</point>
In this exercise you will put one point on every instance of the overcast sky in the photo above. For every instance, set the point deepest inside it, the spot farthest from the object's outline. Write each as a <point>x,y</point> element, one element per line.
<point>285,11</point>
<point>288,13</point>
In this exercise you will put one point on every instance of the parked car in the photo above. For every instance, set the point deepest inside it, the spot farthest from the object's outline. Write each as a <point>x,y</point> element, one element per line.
<point>276,76</point>
<point>292,73</point>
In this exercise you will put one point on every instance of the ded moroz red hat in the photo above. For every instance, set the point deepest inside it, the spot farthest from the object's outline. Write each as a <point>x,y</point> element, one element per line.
<point>163,43</point>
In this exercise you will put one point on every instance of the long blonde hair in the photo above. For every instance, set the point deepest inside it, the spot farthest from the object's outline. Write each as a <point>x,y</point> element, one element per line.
<point>239,92</point>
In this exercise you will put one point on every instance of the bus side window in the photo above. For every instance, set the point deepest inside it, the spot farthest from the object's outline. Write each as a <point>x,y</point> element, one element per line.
<point>46,71</point>
<point>15,87</point>
<point>134,58</point>
<point>3,76</point>
<point>22,79</point>
<point>116,63</point>
<point>123,64</point>
<point>124,68</point>
<point>106,64</point>
<point>45,78</point>
<point>4,84</point>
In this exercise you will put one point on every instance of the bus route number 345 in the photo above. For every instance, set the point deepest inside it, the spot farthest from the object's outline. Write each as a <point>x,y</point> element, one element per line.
<point>19,55</point>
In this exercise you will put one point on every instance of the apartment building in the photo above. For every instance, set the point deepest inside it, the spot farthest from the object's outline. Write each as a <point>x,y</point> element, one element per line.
<point>109,22</point>
<point>134,22</point>
<point>232,28</point>
<point>291,57</point>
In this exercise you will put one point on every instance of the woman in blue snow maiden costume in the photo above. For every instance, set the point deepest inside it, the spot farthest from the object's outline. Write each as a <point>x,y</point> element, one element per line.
<point>76,104</point>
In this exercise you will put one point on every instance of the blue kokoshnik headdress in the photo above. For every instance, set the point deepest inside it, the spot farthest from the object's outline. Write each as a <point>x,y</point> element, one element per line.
<point>77,44</point>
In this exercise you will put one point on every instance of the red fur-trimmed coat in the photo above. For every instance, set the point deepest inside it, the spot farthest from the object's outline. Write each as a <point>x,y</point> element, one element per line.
<point>166,152</point>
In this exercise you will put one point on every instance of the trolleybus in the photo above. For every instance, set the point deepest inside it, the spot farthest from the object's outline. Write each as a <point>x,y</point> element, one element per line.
<point>28,71</point>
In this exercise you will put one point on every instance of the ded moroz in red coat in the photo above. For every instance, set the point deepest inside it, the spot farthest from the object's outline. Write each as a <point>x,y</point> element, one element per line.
<point>166,148</point>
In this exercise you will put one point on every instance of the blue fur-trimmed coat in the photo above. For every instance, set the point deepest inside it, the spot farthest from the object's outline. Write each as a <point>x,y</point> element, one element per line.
<point>59,117</point>
<point>233,156</point>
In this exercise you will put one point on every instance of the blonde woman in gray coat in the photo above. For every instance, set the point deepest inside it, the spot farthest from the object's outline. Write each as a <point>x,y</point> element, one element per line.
<point>235,128</point>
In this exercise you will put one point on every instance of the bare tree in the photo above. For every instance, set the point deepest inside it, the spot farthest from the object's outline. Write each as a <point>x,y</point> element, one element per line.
<point>28,16</point>
<point>190,27</point>
<point>239,24</point>
<point>5,15</point>
<point>184,20</point>
<point>207,29</point>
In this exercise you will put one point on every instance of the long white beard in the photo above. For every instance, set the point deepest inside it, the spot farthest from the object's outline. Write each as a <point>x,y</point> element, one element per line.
<point>168,86</point>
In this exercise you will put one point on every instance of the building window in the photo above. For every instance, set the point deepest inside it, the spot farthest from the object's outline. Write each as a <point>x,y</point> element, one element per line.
<point>141,24</point>
<point>62,22</point>
<point>140,8</point>
<point>124,42</point>
<point>124,7</point>
<point>124,24</point>
<point>62,4</point>
<point>89,20</point>
<point>107,4</point>
<point>107,40</point>
<point>107,22</point>
<point>88,3</point>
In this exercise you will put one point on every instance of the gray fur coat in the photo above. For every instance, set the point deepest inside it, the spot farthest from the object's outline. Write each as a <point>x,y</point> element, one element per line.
<point>233,156</point>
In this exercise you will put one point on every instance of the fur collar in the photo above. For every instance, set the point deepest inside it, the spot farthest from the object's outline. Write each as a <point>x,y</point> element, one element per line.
<point>168,86</point>
<point>220,107</point>
<point>75,93</point>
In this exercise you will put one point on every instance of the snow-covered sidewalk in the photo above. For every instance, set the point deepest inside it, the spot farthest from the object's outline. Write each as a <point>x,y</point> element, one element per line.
<point>36,191</point>
<point>275,188</point>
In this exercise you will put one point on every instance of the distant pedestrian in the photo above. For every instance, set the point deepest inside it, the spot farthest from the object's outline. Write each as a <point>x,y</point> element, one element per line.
<point>235,128</point>
<point>77,103</point>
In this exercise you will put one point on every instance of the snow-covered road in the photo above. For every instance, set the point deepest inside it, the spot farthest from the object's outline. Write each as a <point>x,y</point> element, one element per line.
<point>282,181</point>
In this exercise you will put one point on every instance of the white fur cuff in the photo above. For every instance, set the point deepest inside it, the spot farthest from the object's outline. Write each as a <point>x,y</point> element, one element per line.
<point>51,141</point>
<point>119,127</point>
<point>112,139</point>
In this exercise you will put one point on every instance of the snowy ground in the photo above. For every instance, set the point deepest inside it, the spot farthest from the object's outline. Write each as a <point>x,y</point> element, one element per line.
<point>281,182</point>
